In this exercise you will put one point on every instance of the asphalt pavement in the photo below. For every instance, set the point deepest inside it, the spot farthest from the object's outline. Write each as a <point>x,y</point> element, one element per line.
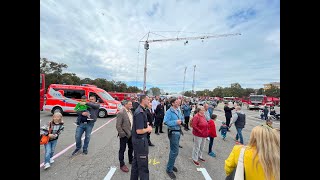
<point>104,146</point>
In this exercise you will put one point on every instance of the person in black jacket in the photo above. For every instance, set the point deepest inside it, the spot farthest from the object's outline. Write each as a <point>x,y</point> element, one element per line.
<point>159,117</point>
<point>228,113</point>
<point>150,121</point>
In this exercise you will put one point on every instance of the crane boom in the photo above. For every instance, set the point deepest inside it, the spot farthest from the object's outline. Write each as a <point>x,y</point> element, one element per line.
<point>191,38</point>
<point>146,47</point>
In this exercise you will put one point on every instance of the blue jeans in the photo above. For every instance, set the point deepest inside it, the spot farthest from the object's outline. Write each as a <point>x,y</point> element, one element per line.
<point>239,135</point>
<point>174,139</point>
<point>49,150</point>
<point>79,131</point>
<point>210,144</point>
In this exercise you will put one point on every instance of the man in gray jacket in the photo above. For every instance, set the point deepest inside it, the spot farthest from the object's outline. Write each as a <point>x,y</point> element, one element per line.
<point>124,126</point>
<point>86,125</point>
<point>239,120</point>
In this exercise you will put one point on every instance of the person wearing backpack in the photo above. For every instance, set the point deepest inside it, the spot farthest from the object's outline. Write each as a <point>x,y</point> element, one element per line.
<point>53,130</point>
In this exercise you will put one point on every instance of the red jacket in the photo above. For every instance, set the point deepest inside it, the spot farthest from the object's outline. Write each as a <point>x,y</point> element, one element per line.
<point>199,126</point>
<point>212,129</point>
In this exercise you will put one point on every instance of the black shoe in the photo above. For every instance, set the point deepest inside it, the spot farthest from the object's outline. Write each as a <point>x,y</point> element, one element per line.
<point>180,146</point>
<point>175,169</point>
<point>85,152</point>
<point>161,132</point>
<point>150,144</point>
<point>75,151</point>
<point>157,134</point>
<point>171,175</point>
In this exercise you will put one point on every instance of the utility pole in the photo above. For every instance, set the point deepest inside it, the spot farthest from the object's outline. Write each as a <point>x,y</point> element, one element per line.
<point>184,79</point>
<point>194,73</point>
<point>146,47</point>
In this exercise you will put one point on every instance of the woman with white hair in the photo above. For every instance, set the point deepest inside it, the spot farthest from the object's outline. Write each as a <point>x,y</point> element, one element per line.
<point>261,160</point>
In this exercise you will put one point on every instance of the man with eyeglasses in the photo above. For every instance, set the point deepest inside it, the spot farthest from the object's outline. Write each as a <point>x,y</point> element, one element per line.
<point>86,124</point>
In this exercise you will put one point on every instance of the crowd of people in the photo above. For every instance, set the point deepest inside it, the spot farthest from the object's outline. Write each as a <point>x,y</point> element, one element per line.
<point>139,117</point>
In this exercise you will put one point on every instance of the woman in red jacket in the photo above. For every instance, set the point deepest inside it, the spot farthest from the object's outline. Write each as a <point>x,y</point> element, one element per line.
<point>200,132</point>
<point>212,133</point>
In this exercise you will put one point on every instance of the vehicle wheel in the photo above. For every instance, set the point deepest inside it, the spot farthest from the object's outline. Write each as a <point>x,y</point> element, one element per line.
<point>102,113</point>
<point>57,109</point>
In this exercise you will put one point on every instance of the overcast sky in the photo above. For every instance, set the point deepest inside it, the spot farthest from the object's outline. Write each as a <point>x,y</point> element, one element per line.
<point>100,39</point>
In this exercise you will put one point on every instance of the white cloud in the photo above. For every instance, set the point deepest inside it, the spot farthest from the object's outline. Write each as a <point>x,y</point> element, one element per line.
<point>99,39</point>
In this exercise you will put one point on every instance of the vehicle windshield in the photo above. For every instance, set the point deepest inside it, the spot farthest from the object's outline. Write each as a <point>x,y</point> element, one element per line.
<point>256,98</point>
<point>105,95</point>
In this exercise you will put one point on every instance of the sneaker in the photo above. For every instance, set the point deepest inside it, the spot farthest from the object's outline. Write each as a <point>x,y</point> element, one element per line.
<point>212,154</point>
<point>75,151</point>
<point>237,142</point>
<point>51,160</point>
<point>224,138</point>
<point>196,163</point>
<point>208,138</point>
<point>175,169</point>
<point>47,165</point>
<point>171,175</point>
<point>85,152</point>
<point>202,160</point>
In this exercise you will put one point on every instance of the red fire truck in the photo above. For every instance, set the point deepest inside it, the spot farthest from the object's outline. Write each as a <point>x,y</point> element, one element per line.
<point>257,102</point>
<point>120,96</point>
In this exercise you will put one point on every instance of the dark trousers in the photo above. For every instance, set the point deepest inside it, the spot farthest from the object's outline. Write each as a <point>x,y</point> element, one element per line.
<point>148,137</point>
<point>210,144</point>
<point>140,159</point>
<point>186,121</point>
<point>158,124</point>
<point>228,121</point>
<point>123,144</point>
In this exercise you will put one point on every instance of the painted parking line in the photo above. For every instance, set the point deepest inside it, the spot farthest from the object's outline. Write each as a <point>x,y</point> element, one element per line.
<point>66,149</point>
<point>110,173</point>
<point>204,173</point>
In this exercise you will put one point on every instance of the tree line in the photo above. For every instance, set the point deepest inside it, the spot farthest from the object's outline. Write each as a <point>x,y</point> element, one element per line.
<point>54,75</point>
<point>236,90</point>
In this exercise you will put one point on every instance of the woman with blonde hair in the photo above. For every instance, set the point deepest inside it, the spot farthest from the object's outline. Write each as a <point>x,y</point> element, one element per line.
<point>53,130</point>
<point>261,159</point>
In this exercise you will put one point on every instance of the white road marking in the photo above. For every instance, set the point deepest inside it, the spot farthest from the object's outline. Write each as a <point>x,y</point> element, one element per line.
<point>204,173</point>
<point>110,173</point>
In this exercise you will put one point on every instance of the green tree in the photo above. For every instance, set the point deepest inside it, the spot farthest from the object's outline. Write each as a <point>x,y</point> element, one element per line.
<point>86,81</point>
<point>188,93</point>
<point>236,90</point>
<point>247,92</point>
<point>273,91</point>
<point>218,91</point>
<point>155,91</point>
<point>70,78</point>
<point>260,91</point>
<point>47,67</point>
